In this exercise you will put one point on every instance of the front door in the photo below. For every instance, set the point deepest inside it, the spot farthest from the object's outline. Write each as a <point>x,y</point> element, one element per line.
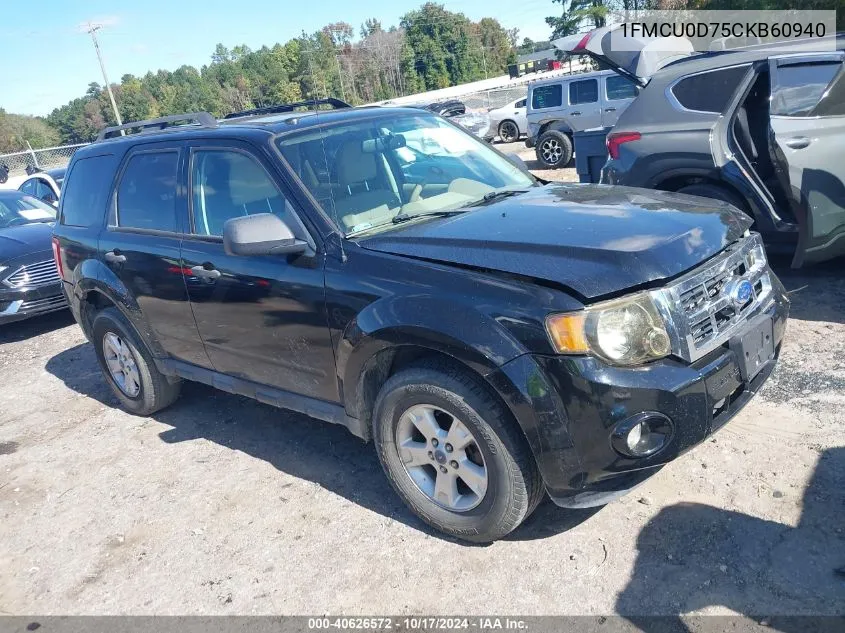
<point>808,136</point>
<point>141,244</point>
<point>262,318</point>
<point>584,104</point>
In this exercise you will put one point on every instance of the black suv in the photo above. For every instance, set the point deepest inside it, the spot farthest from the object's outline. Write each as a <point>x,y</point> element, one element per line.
<point>496,337</point>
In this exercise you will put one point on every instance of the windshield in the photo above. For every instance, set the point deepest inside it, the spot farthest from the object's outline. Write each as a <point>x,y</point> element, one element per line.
<point>366,173</point>
<point>18,209</point>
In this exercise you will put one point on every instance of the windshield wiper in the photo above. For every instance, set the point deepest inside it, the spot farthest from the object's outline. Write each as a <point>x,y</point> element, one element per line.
<point>404,217</point>
<point>495,195</point>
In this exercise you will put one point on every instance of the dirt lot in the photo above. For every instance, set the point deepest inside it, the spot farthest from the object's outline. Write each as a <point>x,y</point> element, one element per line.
<point>221,505</point>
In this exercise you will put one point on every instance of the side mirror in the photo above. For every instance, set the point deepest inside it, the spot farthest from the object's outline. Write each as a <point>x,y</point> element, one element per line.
<point>260,234</point>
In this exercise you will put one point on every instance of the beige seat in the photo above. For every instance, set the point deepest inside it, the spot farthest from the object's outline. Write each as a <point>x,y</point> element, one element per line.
<point>363,197</point>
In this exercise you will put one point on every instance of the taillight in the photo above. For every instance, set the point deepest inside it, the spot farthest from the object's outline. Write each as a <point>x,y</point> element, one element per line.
<point>57,257</point>
<point>615,139</point>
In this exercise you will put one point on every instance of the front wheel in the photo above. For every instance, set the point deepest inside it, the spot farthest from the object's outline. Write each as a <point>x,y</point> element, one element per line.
<point>554,149</point>
<point>454,454</point>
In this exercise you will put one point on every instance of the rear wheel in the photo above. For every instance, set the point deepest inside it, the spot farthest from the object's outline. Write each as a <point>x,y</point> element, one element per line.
<point>454,454</point>
<point>128,365</point>
<point>508,132</point>
<point>554,149</point>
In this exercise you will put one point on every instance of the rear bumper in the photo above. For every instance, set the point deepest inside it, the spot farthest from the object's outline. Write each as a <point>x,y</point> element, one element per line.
<point>570,406</point>
<point>16,305</point>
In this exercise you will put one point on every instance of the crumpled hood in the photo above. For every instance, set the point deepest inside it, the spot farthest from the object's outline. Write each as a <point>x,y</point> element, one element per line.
<point>595,239</point>
<point>17,241</point>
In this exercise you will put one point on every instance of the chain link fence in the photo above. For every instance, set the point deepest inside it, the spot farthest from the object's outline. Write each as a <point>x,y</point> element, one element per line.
<point>490,99</point>
<point>21,163</point>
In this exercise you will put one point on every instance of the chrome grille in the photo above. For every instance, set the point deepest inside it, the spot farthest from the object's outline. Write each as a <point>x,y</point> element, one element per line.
<point>34,275</point>
<point>48,303</point>
<point>698,307</point>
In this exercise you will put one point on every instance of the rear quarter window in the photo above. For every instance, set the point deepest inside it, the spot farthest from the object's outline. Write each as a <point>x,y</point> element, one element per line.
<point>709,91</point>
<point>620,88</point>
<point>86,190</point>
<point>547,97</point>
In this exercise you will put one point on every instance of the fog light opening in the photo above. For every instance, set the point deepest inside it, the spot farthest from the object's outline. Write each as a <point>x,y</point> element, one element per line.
<point>642,435</point>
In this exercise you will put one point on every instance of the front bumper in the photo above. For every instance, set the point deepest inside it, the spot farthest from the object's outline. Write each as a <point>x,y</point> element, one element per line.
<point>19,304</point>
<point>569,407</point>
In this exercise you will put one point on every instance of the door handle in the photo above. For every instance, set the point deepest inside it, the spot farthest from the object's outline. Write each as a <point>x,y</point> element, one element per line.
<point>114,257</point>
<point>575,113</point>
<point>798,142</point>
<point>205,271</point>
<point>610,109</point>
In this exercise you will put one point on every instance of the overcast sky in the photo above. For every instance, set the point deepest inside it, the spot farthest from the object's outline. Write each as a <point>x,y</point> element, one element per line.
<point>47,60</point>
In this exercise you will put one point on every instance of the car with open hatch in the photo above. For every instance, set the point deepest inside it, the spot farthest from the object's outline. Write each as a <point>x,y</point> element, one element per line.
<point>760,127</point>
<point>497,338</point>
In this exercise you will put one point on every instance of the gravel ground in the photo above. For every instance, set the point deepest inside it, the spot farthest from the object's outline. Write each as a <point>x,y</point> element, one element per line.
<point>221,505</point>
<point>564,174</point>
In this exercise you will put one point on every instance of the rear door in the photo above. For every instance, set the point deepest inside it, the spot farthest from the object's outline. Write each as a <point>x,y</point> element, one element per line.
<point>807,140</point>
<point>618,93</point>
<point>519,109</point>
<point>263,317</point>
<point>585,111</point>
<point>141,243</point>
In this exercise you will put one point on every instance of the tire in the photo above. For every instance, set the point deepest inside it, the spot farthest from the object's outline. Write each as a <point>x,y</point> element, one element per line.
<point>513,487</point>
<point>508,131</point>
<point>154,390</point>
<point>704,190</point>
<point>554,149</point>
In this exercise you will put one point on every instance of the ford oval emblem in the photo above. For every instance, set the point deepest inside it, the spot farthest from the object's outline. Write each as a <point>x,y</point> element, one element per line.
<point>739,292</point>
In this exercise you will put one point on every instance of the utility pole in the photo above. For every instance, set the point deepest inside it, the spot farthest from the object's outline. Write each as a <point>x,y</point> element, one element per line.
<point>335,33</point>
<point>340,77</point>
<point>92,31</point>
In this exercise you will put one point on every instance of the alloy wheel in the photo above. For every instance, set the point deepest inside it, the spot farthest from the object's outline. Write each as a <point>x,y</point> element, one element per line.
<point>442,457</point>
<point>121,364</point>
<point>551,151</point>
<point>508,132</point>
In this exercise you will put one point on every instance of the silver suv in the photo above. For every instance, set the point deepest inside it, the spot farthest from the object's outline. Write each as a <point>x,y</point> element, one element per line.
<point>561,106</point>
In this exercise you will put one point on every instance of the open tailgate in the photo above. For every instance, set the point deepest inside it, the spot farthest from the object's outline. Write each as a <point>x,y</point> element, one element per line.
<point>634,57</point>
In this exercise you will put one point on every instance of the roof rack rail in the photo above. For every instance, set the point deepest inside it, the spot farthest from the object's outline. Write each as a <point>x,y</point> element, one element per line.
<point>336,104</point>
<point>203,119</point>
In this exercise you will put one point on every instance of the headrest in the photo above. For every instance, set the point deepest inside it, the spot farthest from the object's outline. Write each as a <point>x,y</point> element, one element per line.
<point>248,181</point>
<point>354,165</point>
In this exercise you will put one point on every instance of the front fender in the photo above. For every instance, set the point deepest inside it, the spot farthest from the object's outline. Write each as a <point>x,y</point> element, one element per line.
<point>457,330</point>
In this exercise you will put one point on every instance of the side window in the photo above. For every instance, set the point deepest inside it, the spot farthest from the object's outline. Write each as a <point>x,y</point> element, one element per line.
<point>28,187</point>
<point>227,184</point>
<point>44,191</point>
<point>86,191</point>
<point>799,87</point>
<point>520,104</point>
<point>584,91</point>
<point>146,196</point>
<point>547,97</point>
<point>710,91</point>
<point>620,88</point>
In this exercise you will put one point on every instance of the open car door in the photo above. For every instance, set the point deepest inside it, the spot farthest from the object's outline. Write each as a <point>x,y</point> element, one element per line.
<point>636,58</point>
<point>807,136</point>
